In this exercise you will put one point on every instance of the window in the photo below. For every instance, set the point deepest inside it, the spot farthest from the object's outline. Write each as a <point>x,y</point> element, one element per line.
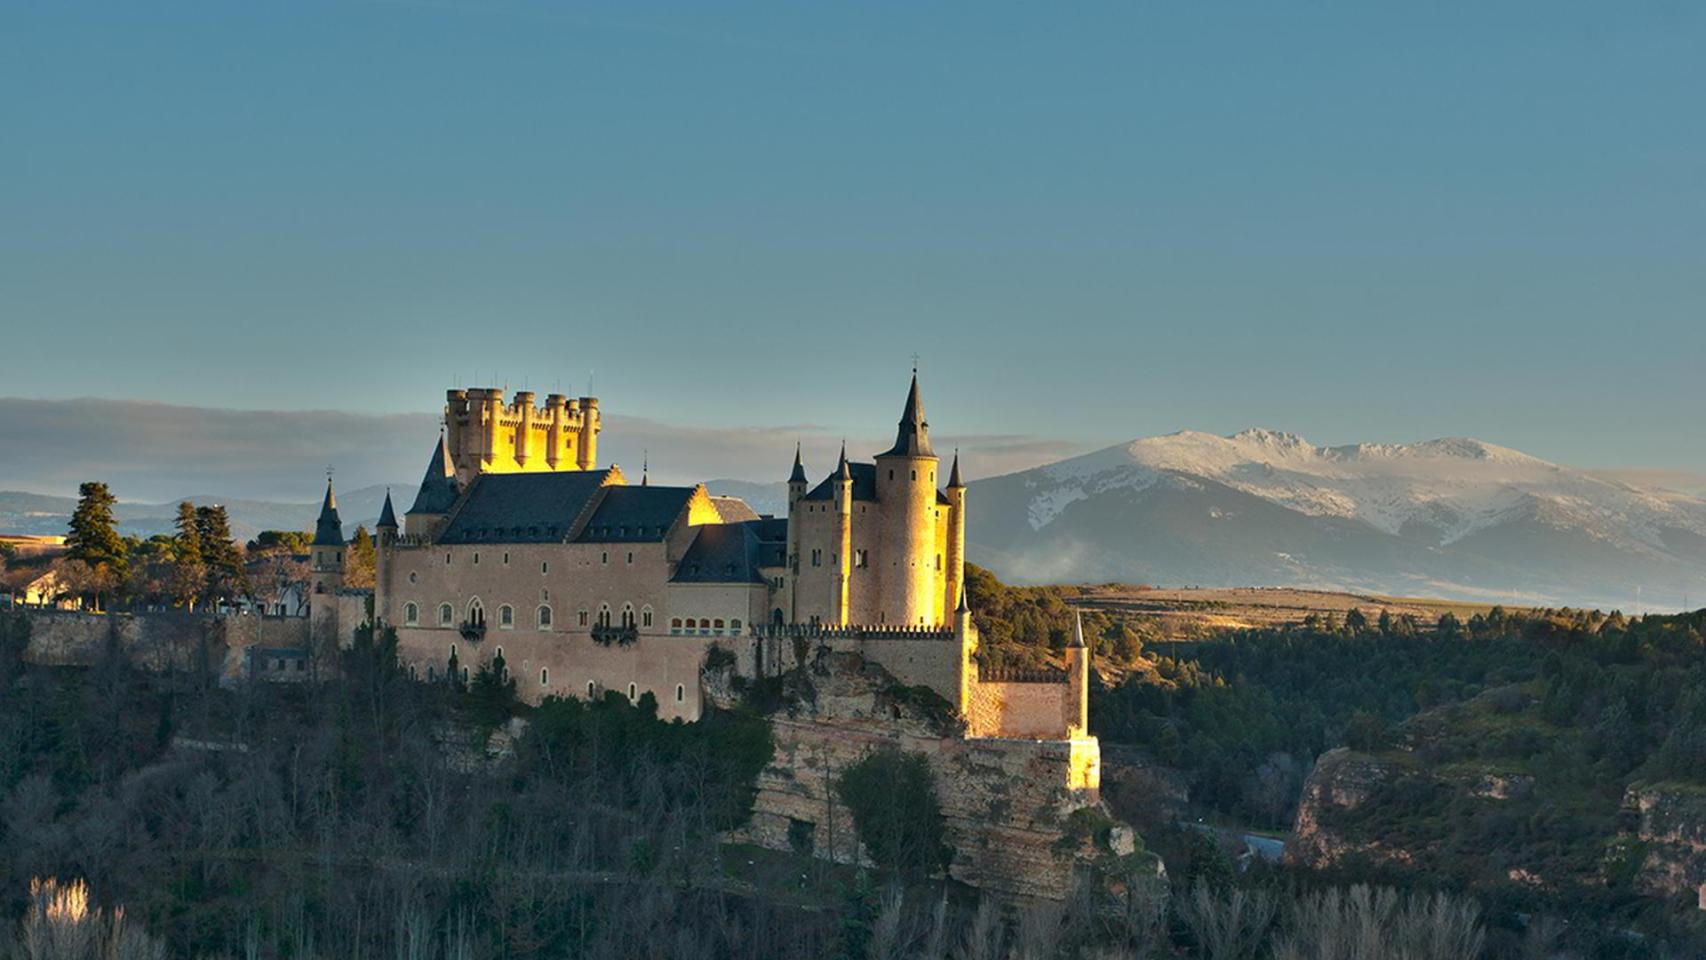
<point>719,625</point>
<point>817,558</point>
<point>476,611</point>
<point>675,625</point>
<point>915,474</point>
<point>465,675</point>
<point>432,674</point>
<point>506,617</point>
<point>630,558</point>
<point>938,561</point>
<point>604,557</point>
<point>506,559</point>
<point>627,615</point>
<point>680,693</point>
<point>544,677</point>
<point>411,614</point>
<point>860,558</point>
<point>476,558</point>
<point>453,649</point>
<point>447,559</point>
<point>544,568</point>
<point>604,614</point>
<point>633,692</point>
<point>646,616</point>
<point>582,618</point>
<point>591,689</point>
<point>734,627</point>
<point>411,576</point>
<point>445,615</point>
<point>544,619</point>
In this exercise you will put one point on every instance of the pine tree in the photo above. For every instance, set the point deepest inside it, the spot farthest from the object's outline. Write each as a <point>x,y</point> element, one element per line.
<point>93,538</point>
<point>189,571</point>
<point>226,576</point>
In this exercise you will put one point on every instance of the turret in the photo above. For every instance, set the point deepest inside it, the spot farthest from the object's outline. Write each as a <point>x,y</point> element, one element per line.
<point>386,528</point>
<point>437,495</point>
<point>910,575</point>
<point>586,451</point>
<point>954,551</point>
<point>526,444</point>
<point>557,414</point>
<point>385,540</point>
<point>843,537</point>
<point>327,549</point>
<point>1078,681</point>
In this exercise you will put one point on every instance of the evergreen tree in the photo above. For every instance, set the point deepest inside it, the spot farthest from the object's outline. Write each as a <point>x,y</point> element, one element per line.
<point>94,539</point>
<point>189,572</point>
<point>225,573</point>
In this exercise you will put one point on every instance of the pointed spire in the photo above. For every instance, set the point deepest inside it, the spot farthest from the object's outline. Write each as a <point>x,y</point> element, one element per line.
<point>329,529</point>
<point>964,607</point>
<point>438,488</point>
<point>954,475</point>
<point>1077,629</point>
<point>645,467</point>
<point>799,474</point>
<point>387,516</point>
<point>913,438</point>
<point>842,470</point>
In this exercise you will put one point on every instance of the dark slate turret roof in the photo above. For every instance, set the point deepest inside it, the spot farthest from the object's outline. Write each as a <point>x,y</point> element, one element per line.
<point>954,475</point>
<point>635,514</point>
<point>329,529</point>
<point>913,438</point>
<point>727,553</point>
<point>864,483</point>
<point>524,507</point>
<point>799,474</point>
<point>387,516</point>
<point>438,488</point>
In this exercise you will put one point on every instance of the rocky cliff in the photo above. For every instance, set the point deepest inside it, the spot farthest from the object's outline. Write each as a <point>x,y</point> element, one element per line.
<point>1024,817</point>
<point>1670,828</point>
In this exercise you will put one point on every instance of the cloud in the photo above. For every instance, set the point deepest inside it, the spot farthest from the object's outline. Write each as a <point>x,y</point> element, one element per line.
<point>156,452</point>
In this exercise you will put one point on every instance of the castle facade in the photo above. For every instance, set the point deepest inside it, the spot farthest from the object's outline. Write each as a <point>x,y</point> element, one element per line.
<point>520,547</point>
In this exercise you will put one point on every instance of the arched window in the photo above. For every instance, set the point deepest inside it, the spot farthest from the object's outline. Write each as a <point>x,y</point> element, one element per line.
<point>692,624</point>
<point>506,617</point>
<point>718,625</point>
<point>411,614</point>
<point>544,677</point>
<point>734,627</point>
<point>453,649</point>
<point>544,617</point>
<point>674,624</point>
<point>680,693</point>
<point>633,692</point>
<point>476,611</point>
<point>446,614</point>
<point>646,616</point>
<point>591,689</point>
<point>432,674</point>
<point>604,614</point>
<point>627,615</point>
<point>582,617</point>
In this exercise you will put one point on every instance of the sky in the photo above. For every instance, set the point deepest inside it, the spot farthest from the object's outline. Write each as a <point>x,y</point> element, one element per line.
<point>1090,222</point>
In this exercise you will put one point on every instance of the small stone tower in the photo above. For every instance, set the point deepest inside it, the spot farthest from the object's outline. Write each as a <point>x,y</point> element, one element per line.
<point>385,541</point>
<point>1078,681</point>
<point>326,566</point>
<point>911,560</point>
<point>954,551</point>
<point>796,493</point>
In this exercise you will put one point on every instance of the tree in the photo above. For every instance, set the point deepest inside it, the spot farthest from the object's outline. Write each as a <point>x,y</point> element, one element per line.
<point>1356,621</point>
<point>225,572</point>
<point>94,538</point>
<point>897,813</point>
<point>362,560</point>
<point>189,573</point>
<point>281,541</point>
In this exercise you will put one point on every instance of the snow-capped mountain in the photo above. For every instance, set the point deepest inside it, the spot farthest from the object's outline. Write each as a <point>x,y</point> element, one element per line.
<point>1454,517</point>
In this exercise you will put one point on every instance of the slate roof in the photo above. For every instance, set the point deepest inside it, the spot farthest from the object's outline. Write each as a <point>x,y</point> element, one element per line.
<point>438,488</point>
<point>723,553</point>
<point>523,507</point>
<point>733,510</point>
<point>328,529</point>
<point>635,514</point>
<point>864,484</point>
<point>913,437</point>
<point>387,516</point>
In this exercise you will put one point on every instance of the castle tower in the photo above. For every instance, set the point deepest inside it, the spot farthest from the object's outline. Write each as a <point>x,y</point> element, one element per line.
<point>843,538</point>
<point>591,424</point>
<point>385,542</point>
<point>910,575</point>
<point>954,551</point>
<point>1078,681</point>
<point>327,559</point>
<point>796,493</point>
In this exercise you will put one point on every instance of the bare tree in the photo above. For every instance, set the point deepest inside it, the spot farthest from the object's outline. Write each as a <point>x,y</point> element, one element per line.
<point>1230,925</point>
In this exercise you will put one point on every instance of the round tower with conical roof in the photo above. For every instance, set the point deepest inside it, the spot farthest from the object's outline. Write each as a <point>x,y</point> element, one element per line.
<point>911,573</point>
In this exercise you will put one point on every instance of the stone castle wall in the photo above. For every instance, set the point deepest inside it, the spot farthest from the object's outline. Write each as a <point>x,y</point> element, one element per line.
<point>1027,710</point>
<point>160,642</point>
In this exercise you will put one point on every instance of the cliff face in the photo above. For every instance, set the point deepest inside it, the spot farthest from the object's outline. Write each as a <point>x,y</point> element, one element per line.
<point>1008,804</point>
<point>1342,780</point>
<point>1670,824</point>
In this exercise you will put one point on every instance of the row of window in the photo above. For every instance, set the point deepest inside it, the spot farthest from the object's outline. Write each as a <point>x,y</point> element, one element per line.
<point>703,626</point>
<point>861,559</point>
<point>544,679</point>
<point>542,615</point>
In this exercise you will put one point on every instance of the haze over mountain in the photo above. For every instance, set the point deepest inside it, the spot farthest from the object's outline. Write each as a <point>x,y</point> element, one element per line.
<point>1454,517</point>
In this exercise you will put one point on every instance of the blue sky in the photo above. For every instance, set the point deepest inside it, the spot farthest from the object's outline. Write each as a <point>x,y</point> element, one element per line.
<point>1355,221</point>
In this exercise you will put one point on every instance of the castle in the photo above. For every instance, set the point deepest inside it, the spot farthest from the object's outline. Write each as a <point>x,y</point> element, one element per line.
<point>520,547</point>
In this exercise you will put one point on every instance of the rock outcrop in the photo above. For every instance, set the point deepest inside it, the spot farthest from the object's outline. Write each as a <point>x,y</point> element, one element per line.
<point>1024,817</point>
<point>1670,825</point>
<point>1342,780</point>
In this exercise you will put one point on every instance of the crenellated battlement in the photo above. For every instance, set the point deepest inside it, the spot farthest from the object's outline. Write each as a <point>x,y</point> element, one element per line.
<point>818,631</point>
<point>1022,675</point>
<point>486,434</point>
